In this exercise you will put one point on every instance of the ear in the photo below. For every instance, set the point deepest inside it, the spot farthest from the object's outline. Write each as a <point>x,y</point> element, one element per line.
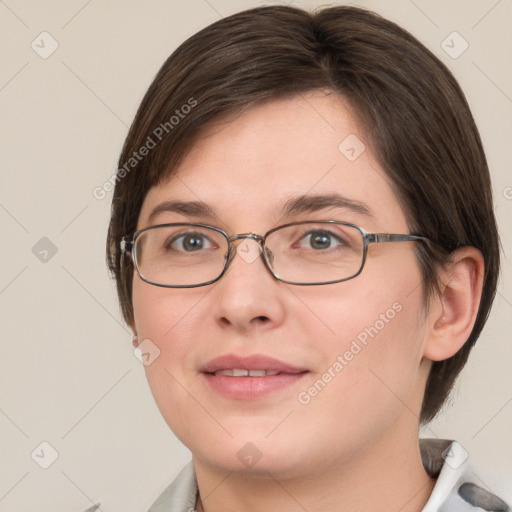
<point>453,311</point>
<point>135,335</point>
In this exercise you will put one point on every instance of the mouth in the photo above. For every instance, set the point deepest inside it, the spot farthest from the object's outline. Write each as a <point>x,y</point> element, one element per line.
<point>250,377</point>
<point>239,372</point>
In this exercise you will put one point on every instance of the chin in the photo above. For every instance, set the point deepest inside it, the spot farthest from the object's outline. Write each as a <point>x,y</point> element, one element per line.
<point>254,455</point>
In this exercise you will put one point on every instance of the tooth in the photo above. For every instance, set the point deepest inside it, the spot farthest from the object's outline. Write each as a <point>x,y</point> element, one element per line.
<point>224,372</point>
<point>240,373</point>
<point>257,373</point>
<point>235,372</point>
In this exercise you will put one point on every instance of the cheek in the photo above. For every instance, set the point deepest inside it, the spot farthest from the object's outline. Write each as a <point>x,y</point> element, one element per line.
<point>165,319</point>
<point>373,349</point>
<point>368,378</point>
<point>162,314</point>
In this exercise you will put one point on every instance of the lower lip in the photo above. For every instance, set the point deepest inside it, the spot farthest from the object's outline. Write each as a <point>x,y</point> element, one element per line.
<point>251,388</point>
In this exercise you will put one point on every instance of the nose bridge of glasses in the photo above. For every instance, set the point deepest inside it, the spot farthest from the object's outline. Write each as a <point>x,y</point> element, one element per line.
<point>248,255</point>
<point>244,236</point>
<point>251,236</point>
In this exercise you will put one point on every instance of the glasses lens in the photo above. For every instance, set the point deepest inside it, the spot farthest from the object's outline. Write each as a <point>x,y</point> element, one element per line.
<point>180,254</point>
<point>315,252</point>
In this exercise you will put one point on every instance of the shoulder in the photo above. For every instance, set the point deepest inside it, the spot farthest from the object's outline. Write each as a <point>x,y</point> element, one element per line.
<point>180,495</point>
<point>459,488</point>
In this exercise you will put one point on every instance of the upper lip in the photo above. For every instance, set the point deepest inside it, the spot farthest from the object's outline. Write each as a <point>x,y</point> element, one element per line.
<point>252,362</point>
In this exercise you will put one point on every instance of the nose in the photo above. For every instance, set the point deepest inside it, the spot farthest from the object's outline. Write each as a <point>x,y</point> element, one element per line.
<point>248,297</point>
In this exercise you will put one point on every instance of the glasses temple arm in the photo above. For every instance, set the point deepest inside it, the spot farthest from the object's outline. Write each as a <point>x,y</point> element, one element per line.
<point>378,238</point>
<point>126,246</point>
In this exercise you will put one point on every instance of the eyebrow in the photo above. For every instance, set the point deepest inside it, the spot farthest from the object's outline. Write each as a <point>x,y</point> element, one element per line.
<point>312,203</point>
<point>187,208</point>
<point>303,204</point>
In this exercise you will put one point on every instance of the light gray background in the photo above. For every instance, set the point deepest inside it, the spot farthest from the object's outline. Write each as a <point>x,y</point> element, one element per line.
<point>68,374</point>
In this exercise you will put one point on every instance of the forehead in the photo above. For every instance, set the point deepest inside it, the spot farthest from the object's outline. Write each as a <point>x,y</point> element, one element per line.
<point>250,166</point>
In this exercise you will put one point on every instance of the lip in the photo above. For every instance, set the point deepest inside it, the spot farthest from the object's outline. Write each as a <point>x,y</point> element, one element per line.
<point>252,362</point>
<point>250,388</point>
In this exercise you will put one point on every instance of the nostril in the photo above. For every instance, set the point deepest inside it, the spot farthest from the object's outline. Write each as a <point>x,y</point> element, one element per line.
<point>258,319</point>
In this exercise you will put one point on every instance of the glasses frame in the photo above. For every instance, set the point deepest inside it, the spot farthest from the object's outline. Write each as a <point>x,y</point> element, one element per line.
<point>128,242</point>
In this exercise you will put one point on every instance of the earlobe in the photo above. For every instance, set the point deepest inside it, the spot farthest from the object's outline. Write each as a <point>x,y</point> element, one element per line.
<point>455,307</point>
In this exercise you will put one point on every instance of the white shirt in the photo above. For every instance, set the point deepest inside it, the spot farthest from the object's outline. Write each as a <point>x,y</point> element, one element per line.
<point>457,489</point>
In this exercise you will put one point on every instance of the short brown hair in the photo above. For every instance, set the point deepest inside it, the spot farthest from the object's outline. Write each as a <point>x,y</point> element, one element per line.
<point>417,121</point>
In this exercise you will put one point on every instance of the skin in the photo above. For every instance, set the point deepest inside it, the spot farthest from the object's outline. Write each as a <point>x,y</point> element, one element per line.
<point>354,446</point>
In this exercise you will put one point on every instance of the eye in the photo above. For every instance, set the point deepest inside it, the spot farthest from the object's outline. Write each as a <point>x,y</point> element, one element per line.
<point>320,240</point>
<point>189,242</point>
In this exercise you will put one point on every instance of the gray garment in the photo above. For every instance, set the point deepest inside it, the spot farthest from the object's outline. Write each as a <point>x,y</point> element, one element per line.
<point>456,490</point>
<point>181,495</point>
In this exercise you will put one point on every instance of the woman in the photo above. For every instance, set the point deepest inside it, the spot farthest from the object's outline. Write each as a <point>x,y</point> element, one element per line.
<point>304,245</point>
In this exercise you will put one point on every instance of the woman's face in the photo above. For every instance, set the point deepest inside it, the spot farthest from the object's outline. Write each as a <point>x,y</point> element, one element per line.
<point>351,352</point>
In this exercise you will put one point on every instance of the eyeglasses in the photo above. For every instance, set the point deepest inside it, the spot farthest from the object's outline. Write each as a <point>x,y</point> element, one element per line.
<point>187,255</point>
